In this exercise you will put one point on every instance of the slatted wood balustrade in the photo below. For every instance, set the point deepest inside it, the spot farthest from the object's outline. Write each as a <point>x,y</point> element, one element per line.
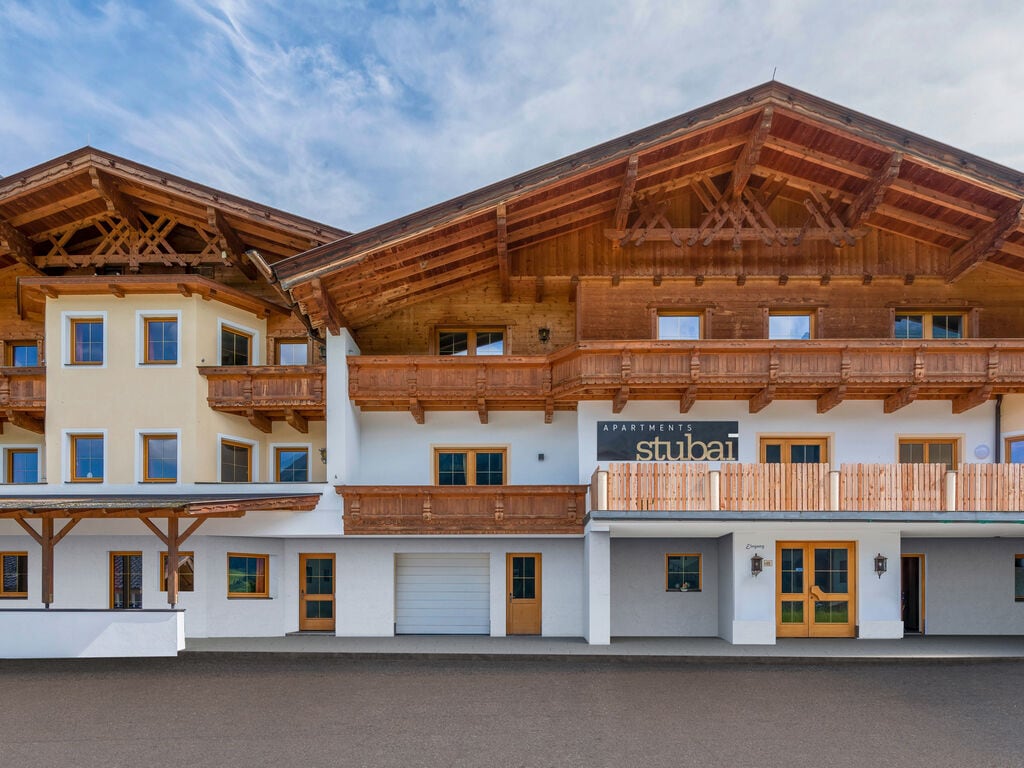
<point>267,393</point>
<point>811,487</point>
<point>409,510</point>
<point>967,372</point>
<point>23,397</point>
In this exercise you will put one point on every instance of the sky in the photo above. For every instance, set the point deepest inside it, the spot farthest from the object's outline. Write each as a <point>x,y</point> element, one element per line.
<point>355,113</point>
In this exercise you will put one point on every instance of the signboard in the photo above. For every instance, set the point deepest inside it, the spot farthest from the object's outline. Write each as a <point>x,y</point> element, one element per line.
<point>667,440</point>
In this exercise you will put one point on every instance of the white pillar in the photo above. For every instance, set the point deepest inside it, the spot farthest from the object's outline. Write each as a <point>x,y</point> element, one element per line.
<point>597,587</point>
<point>342,416</point>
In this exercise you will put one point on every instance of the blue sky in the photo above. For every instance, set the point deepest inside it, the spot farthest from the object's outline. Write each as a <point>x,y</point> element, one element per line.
<point>354,113</point>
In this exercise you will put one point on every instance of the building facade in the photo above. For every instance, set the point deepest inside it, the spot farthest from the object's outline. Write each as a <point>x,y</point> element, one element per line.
<point>753,372</point>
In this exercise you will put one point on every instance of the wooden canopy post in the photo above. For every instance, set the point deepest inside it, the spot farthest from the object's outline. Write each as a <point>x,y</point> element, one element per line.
<point>173,541</point>
<point>47,541</point>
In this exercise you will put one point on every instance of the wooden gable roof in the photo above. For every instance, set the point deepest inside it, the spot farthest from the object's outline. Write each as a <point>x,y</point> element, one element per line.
<point>93,209</point>
<point>739,159</point>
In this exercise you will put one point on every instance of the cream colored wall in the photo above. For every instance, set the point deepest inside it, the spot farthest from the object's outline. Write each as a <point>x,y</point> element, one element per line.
<point>122,397</point>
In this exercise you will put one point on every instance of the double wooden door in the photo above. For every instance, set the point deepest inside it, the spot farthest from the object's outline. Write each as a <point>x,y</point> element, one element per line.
<point>816,589</point>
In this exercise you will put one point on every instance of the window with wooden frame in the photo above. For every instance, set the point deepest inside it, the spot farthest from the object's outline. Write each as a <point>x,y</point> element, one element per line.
<point>248,575</point>
<point>291,464</point>
<point>1015,450</point>
<point>160,340</point>
<point>126,580</point>
<point>470,466</point>
<point>291,352</point>
<point>682,573</point>
<point>159,458</point>
<point>235,462</point>
<point>470,341</point>
<point>186,571</point>
<point>86,458</point>
<point>794,450</point>
<point>235,346</point>
<point>929,325</point>
<point>926,450</point>
<point>680,326</point>
<point>22,465</point>
<point>1018,578</point>
<point>14,582</point>
<point>791,324</point>
<point>21,354</point>
<point>86,335</point>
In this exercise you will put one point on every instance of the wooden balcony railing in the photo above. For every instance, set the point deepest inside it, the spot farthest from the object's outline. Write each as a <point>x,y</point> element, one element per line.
<point>23,397</point>
<point>268,393</point>
<point>810,487</point>
<point>967,372</point>
<point>428,509</point>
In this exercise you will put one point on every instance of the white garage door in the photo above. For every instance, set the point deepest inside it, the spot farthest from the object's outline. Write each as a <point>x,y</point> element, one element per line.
<point>442,595</point>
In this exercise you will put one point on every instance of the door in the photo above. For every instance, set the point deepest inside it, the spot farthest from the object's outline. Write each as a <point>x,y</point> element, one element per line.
<point>816,589</point>
<point>125,580</point>
<point>316,593</point>
<point>524,599</point>
<point>912,593</point>
<point>442,594</point>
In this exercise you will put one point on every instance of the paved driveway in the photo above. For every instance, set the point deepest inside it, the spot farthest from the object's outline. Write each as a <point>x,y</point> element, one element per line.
<point>267,710</point>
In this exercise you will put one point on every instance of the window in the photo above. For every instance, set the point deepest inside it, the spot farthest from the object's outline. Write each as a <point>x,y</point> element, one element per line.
<point>186,572</point>
<point>21,354</point>
<point>1018,578</point>
<point>292,352</point>
<point>247,575</point>
<point>86,341</point>
<point>682,573</point>
<point>928,451</point>
<point>929,325</point>
<point>484,341</point>
<point>87,458</point>
<point>235,462</point>
<point>22,465</point>
<point>160,343</point>
<point>1015,450</point>
<point>291,465</point>
<point>680,325</point>
<point>14,582</point>
<point>790,325</point>
<point>476,466</point>
<point>235,346</point>
<point>794,450</point>
<point>159,458</point>
<point>126,580</point>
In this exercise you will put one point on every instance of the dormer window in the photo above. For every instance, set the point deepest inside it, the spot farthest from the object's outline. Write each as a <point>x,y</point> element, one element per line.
<point>929,325</point>
<point>790,325</point>
<point>470,341</point>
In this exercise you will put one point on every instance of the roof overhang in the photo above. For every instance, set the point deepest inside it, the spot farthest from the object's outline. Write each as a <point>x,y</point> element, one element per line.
<point>151,505</point>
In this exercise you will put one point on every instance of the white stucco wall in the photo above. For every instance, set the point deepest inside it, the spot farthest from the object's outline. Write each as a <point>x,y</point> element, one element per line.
<point>641,607</point>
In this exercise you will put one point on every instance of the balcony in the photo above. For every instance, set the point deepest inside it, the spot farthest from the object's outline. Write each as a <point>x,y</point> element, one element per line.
<point>967,372</point>
<point>496,509</point>
<point>23,397</point>
<point>268,393</point>
<point>810,487</point>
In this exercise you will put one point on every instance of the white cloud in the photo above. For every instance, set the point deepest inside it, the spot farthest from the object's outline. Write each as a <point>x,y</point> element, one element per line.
<point>353,115</point>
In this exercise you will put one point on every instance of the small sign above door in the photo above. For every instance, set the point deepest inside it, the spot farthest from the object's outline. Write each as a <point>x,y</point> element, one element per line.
<point>667,440</point>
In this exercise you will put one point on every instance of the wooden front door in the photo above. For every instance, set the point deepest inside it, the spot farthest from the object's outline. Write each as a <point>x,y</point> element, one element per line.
<point>523,582</point>
<point>316,592</point>
<point>816,586</point>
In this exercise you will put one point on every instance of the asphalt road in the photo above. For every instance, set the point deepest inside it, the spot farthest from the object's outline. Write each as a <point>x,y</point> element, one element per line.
<point>217,710</point>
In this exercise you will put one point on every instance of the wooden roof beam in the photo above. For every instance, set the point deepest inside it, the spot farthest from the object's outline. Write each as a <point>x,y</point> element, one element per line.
<point>871,196</point>
<point>972,399</point>
<point>232,247</point>
<point>296,420</point>
<point>328,311</point>
<point>626,192</point>
<point>901,399</point>
<point>24,421</point>
<point>117,202</point>
<point>502,248</point>
<point>17,243</point>
<point>747,160</point>
<point>985,243</point>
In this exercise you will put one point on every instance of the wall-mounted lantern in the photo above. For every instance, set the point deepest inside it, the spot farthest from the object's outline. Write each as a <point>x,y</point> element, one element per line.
<point>544,335</point>
<point>881,564</point>
<point>756,565</point>
<point>323,455</point>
